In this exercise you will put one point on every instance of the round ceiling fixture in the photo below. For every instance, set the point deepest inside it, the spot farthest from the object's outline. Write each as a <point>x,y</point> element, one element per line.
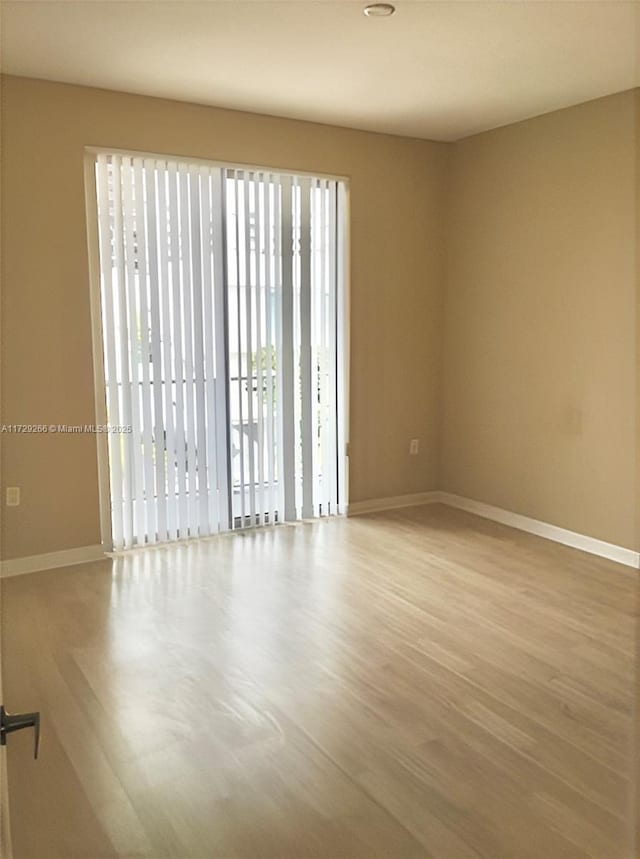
<point>379,10</point>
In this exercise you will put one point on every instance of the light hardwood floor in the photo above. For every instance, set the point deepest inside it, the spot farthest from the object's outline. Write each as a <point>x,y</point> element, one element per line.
<point>418,683</point>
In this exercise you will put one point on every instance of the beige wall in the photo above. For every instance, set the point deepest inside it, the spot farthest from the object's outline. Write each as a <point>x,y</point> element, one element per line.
<point>397,188</point>
<point>540,356</point>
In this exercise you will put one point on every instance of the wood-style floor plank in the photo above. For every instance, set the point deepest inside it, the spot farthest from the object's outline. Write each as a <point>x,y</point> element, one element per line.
<point>417,683</point>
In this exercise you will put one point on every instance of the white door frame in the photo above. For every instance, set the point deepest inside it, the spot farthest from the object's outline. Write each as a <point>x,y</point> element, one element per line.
<point>6,850</point>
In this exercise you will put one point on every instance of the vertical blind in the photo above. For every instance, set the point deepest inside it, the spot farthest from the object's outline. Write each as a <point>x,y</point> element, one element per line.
<point>221,303</point>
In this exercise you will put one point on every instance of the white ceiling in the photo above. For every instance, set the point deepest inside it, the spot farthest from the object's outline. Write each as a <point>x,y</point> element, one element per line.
<point>439,70</point>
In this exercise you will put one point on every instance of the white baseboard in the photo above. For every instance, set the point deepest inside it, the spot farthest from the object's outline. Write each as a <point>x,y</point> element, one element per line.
<point>51,560</point>
<point>515,520</point>
<point>544,529</point>
<point>373,505</point>
<point>628,557</point>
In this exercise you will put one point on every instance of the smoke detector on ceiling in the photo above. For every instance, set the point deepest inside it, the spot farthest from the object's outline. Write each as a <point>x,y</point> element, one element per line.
<point>379,10</point>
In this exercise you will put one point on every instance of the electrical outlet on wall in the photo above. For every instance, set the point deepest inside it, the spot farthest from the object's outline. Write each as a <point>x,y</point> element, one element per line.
<point>13,496</point>
<point>414,446</point>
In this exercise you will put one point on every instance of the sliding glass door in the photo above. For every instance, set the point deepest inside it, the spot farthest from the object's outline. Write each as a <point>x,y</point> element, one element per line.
<point>221,332</point>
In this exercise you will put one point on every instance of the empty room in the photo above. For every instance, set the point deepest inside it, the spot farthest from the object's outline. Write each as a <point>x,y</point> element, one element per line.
<point>320,452</point>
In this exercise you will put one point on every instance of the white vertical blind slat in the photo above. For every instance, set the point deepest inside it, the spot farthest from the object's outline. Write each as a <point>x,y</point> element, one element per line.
<point>286,354</point>
<point>239,276</point>
<point>297,380</point>
<point>147,170</point>
<point>186,262</point>
<point>341,346</point>
<point>332,437</point>
<point>279,344</point>
<point>316,410</point>
<point>164,292</point>
<point>200,417</point>
<point>220,350</point>
<point>178,359</point>
<point>138,331</point>
<point>248,313</point>
<point>306,375</point>
<point>209,414</point>
<point>260,265</point>
<point>108,276</point>
<point>325,411</point>
<point>148,358</point>
<point>134,520</point>
<point>270,347</point>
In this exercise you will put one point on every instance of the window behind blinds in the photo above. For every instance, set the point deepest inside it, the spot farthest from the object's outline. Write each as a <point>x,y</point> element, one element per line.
<point>222,295</point>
